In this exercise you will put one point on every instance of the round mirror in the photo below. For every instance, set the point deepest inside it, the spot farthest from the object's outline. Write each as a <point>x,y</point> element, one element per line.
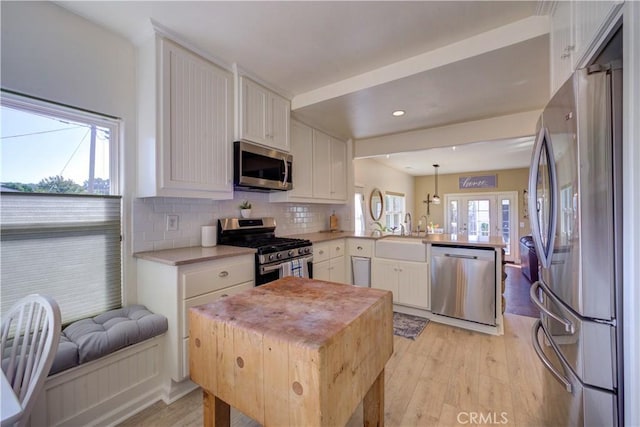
<point>376,204</point>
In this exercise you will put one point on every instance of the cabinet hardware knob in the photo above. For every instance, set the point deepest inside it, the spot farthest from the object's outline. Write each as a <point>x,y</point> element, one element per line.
<point>321,252</point>
<point>223,274</point>
<point>224,296</point>
<point>359,248</point>
<point>337,248</point>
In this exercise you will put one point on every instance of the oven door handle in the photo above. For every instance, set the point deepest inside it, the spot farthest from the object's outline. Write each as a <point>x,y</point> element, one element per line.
<point>270,268</point>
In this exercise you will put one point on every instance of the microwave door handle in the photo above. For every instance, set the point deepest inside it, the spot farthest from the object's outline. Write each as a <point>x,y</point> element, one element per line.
<point>286,171</point>
<point>536,346</point>
<point>533,293</point>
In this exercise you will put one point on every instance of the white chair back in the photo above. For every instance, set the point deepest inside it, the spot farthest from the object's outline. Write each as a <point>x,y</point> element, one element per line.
<point>30,336</point>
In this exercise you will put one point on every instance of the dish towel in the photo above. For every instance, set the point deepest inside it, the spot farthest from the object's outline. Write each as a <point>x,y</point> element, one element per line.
<point>295,268</point>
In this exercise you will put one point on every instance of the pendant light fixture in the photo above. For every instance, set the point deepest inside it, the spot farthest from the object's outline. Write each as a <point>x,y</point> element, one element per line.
<point>435,199</point>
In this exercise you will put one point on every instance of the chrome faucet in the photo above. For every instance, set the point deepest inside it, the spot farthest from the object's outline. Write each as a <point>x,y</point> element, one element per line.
<point>407,220</point>
<point>425,224</point>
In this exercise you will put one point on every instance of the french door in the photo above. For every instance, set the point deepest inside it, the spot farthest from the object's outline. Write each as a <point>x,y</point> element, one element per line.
<point>483,215</point>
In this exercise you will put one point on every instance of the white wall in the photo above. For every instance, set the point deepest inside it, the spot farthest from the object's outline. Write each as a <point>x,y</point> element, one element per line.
<point>55,55</point>
<point>371,174</point>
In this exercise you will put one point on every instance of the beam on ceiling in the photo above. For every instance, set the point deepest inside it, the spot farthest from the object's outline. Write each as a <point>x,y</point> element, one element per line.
<point>498,38</point>
<point>502,127</point>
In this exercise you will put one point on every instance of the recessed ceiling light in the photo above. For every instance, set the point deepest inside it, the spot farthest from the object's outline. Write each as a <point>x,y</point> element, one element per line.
<point>453,148</point>
<point>398,113</point>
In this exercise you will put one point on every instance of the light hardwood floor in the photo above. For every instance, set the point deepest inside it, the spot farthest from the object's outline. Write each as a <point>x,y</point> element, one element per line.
<point>442,378</point>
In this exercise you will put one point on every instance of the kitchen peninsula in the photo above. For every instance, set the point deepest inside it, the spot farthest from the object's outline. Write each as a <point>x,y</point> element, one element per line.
<point>404,265</point>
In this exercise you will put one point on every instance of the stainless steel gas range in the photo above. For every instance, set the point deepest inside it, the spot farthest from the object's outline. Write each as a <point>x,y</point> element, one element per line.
<point>276,256</point>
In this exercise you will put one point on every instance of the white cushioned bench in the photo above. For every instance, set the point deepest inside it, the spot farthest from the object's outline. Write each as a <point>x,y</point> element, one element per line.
<point>89,339</point>
<point>106,369</point>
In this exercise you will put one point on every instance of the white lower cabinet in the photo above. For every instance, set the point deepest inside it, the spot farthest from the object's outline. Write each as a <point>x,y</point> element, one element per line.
<point>408,281</point>
<point>172,290</point>
<point>329,261</point>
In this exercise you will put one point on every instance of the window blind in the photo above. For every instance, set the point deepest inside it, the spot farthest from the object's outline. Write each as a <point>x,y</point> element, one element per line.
<point>66,246</point>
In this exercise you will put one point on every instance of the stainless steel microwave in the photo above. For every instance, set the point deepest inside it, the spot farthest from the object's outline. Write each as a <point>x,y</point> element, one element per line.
<point>260,168</point>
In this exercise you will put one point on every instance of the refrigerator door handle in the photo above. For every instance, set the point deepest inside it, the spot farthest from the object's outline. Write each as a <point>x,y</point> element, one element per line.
<point>533,293</point>
<point>536,346</point>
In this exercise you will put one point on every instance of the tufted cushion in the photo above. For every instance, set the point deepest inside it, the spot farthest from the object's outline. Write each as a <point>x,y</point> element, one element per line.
<point>113,330</point>
<point>66,356</point>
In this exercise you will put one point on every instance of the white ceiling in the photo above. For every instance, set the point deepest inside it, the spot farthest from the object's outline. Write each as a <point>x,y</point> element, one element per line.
<point>347,65</point>
<point>479,156</point>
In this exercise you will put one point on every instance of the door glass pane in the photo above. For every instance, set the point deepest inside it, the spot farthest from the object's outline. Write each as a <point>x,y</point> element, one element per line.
<point>453,217</point>
<point>505,223</point>
<point>359,212</point>
<point>479,219</point>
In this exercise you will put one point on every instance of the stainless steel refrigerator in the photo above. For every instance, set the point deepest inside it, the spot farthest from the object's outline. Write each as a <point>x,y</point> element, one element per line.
<point>575,209</point>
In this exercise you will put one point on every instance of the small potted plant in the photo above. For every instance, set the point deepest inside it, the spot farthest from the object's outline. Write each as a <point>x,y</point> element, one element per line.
<point>245,209</point>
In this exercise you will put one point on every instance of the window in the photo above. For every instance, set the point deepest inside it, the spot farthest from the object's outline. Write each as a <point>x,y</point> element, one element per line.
<point>61,212</point>
<point>394,209</point>
<point>358,204</point>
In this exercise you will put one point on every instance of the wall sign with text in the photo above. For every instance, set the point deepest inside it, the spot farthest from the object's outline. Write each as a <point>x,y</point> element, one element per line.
<point>481,181</point>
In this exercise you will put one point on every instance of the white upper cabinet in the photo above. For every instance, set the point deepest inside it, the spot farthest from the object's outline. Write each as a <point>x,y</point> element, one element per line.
<point>185,124</point>
<point>263,116</point>
<point>302,152</point>
<point>338,170</point>
<point>329,168</point>
<point>320,167</point>
<point>591,21</point>
<point>562,44</point>
<point>577,29</point>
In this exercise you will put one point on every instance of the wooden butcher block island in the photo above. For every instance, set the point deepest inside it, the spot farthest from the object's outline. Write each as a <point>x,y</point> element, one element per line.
<point>295,352</point>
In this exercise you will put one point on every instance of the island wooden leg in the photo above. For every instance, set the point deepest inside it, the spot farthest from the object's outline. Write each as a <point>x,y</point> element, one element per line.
<point>373,404</point>
<point>217,413</point>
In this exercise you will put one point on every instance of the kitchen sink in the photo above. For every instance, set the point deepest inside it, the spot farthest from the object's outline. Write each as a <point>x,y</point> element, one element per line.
<point>405,248</point>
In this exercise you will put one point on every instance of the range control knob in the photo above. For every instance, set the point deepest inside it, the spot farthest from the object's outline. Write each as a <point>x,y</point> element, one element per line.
<point>301,251</point>
<point>307,250</point>
<point>271,257</point>
<point>290,253</point>
<point>278,255</point>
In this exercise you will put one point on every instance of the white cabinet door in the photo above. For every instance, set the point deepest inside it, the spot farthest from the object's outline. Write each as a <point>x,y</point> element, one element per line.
<point>338,271</point>
<point>302,152</point>
<point>413,284</point>
<point>562,44</point>
<point>263,115</point>
<point>253,111</point>
<point>338,170</point>
<point>322,270</point>
<point>279,122</point>
<point>384,275</point>
<point>186,122</point>
<point>591,20</point>
<point>321,165</point>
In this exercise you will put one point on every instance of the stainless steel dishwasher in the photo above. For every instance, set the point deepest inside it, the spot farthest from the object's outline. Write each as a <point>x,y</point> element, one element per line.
<point>463,283</point>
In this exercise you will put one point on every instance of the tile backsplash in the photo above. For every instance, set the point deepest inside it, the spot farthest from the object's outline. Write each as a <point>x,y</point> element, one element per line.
<point>150,218</point>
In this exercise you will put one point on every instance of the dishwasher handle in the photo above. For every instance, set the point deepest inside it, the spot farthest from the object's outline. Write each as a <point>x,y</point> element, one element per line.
<point>461,256</point>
